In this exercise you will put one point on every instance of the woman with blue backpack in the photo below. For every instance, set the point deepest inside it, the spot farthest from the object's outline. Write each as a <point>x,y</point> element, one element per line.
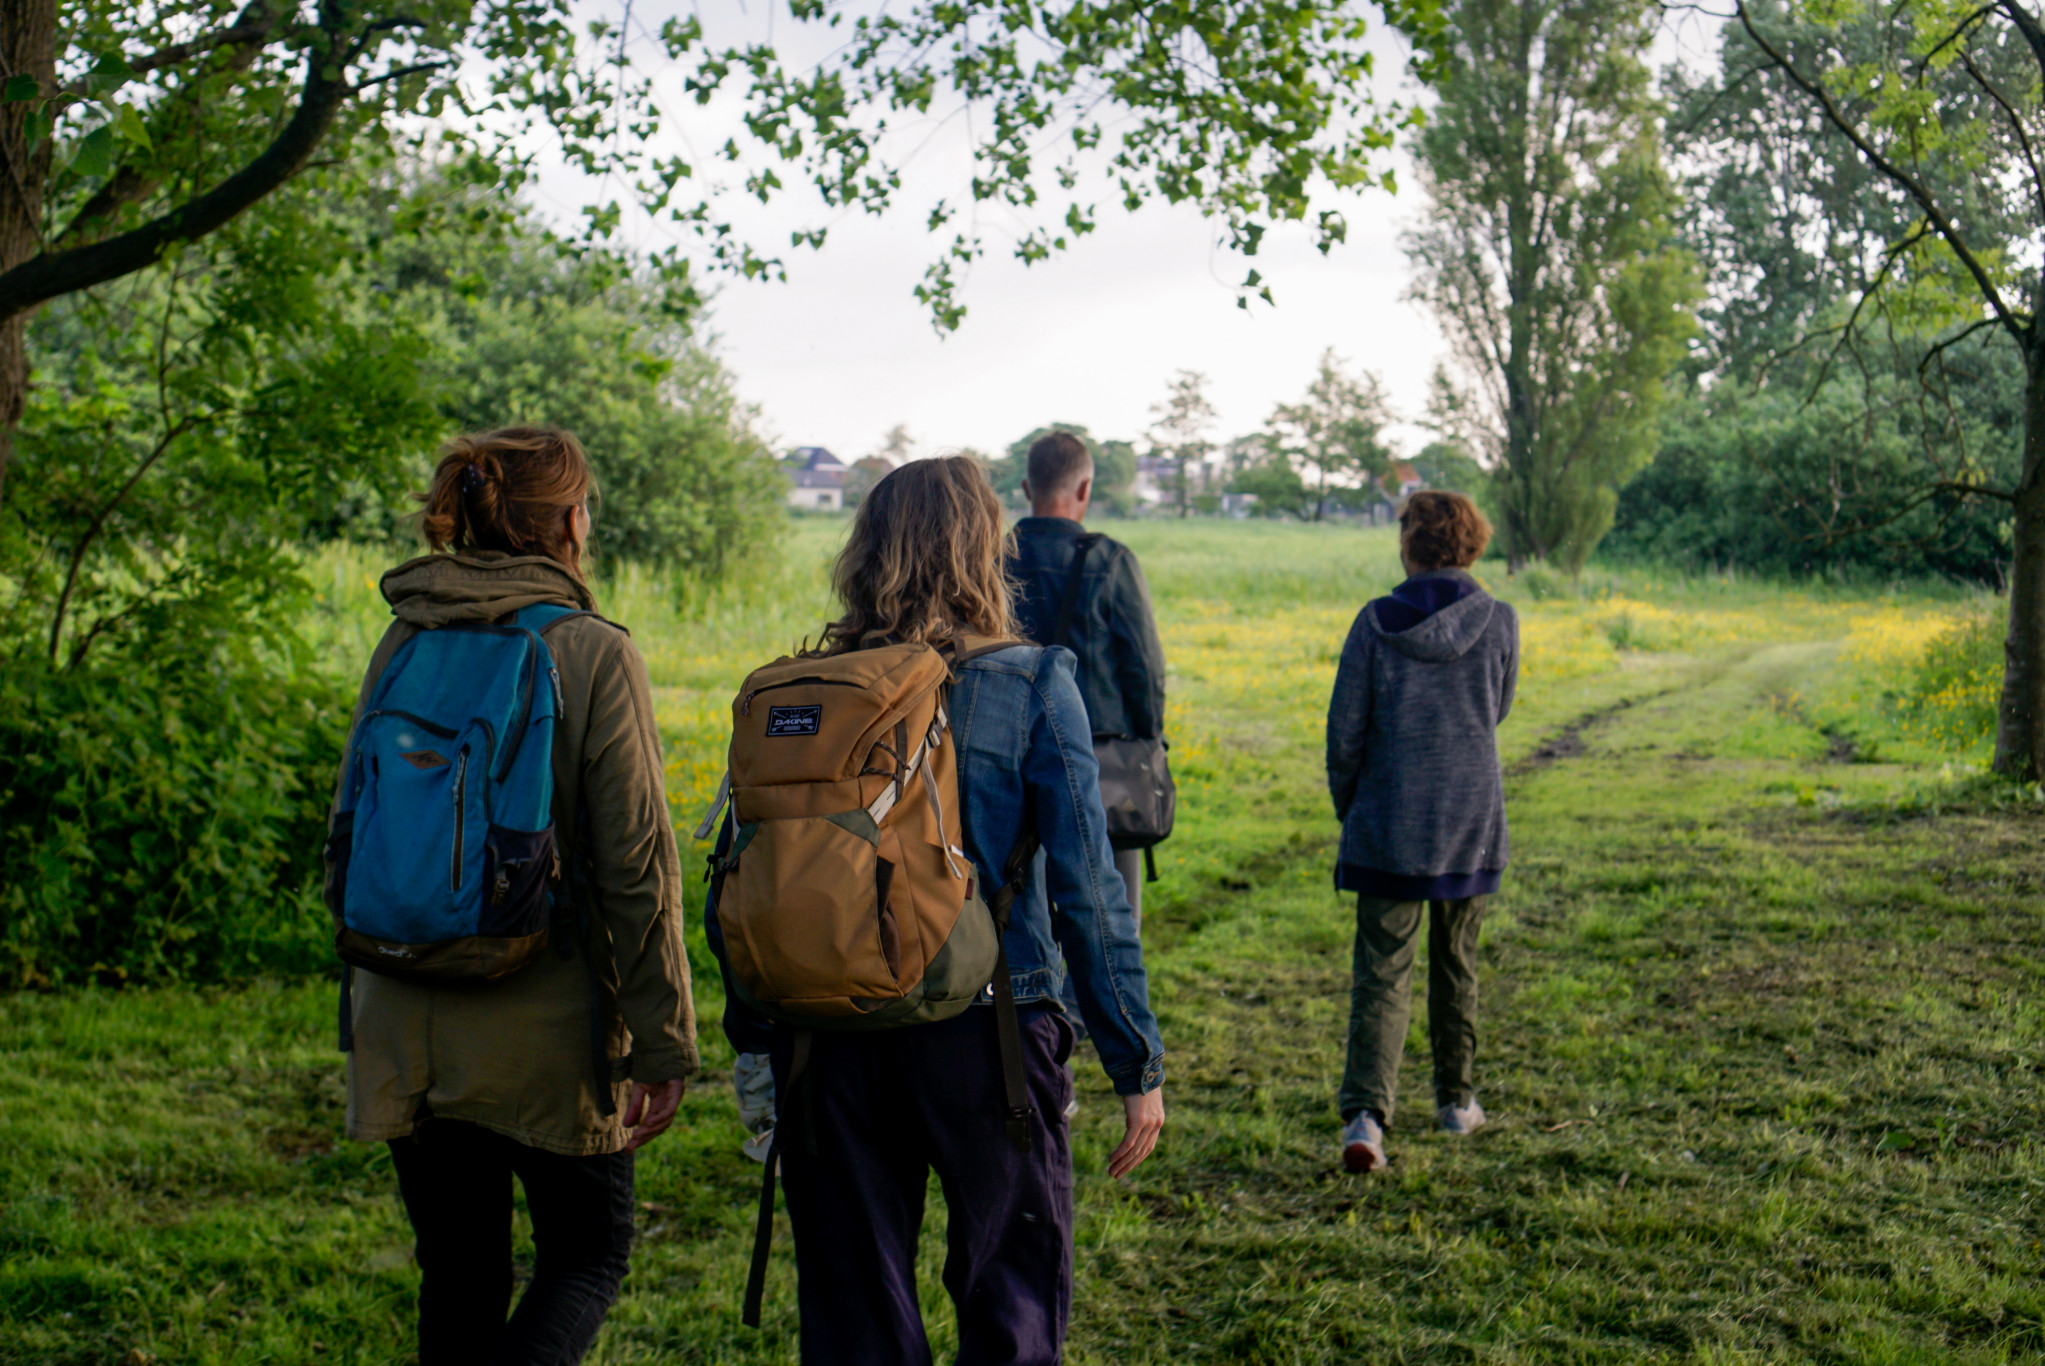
<point>506,893</point>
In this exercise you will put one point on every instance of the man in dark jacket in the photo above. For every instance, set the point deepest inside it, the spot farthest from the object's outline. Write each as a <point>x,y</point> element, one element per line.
<point>1110,628</point>
<point>1425,678</point>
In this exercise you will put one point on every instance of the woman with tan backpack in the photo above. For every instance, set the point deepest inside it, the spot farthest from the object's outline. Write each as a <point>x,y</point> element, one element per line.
<point>889,789</point>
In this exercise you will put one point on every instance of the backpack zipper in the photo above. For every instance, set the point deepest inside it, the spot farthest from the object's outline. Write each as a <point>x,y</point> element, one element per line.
<point>745,706</point>
<point>525,703</point>
<point>461,783</point>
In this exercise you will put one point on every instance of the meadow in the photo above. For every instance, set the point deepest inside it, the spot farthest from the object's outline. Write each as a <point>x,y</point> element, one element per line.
<point>1760,1041</point>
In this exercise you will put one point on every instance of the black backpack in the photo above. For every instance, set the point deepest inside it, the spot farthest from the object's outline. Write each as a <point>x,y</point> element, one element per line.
<point>1136,777</point>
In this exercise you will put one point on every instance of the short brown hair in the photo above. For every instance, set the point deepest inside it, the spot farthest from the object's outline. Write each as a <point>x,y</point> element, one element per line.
<point>925,560</point>
<point>507,490</point>
<point>1442,530</point>
<point>1057,463</point>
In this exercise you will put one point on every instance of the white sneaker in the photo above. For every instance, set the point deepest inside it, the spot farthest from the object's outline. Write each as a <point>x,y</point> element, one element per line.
<point>1363,1144</point>
<point>756,1145</point>
<point>1461,1119</point>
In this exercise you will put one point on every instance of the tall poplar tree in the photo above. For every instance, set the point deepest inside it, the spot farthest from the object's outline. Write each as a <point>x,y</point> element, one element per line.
<point>1547,254</point>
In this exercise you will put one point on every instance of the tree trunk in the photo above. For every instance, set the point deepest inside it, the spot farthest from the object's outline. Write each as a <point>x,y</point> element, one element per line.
<point>28,46</point>
<point>2020,719</point>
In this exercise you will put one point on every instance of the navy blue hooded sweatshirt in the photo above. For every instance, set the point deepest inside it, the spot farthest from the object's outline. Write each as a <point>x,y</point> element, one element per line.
<point>1426,676</point>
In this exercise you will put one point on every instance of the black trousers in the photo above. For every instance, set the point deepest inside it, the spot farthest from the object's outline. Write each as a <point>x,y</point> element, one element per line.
<point>456,1182</point>
<point>890,1107</point>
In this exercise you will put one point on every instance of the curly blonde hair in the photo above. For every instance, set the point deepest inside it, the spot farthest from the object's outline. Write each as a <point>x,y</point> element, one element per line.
<point>925,560</point>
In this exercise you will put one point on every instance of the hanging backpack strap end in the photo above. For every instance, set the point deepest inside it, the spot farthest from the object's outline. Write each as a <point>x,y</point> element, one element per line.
<point>709,825</point>
<point>763,1240</point>
<point>347,1011</point>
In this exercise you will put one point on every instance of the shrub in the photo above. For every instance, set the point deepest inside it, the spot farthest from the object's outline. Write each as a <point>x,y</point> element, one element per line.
<point>1951,694</point>
<point>162,818</point>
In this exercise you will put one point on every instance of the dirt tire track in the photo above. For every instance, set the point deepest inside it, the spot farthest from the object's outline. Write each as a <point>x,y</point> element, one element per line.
<point>1568,742</point>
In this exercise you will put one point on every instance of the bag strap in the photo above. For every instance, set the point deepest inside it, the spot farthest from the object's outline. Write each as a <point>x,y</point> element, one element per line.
<point>1007,1028</point>
<point>347,1008</point>
<point>582,897</point>
<point>763,1227</point>
<point>543,616</point>
<point>1061,631</point>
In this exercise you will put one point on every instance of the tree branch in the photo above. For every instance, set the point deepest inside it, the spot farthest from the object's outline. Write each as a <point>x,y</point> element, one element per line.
<point>2028,26</point>
<point>1889,258</point>
<point>397,75</point>
<point>2015,122</point>
<point>1940,348</point>
<point>99,520</point>
<point>50,274</point>
<point>1924,62</point>
<point>1909,183</point>
<point>251,28</point>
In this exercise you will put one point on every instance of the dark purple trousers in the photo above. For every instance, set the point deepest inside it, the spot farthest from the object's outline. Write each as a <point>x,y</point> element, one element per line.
<point>889,1108</point>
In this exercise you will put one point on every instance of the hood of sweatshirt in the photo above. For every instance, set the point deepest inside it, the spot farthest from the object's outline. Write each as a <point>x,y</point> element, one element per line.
<point>1437,616</point>
<point>479,585</point>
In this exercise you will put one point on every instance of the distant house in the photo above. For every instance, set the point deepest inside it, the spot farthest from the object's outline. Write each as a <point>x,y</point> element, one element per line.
<point>1156,482</point>
<point>1401,481</point>
<point>1394,487</point>
<point>816,479</point>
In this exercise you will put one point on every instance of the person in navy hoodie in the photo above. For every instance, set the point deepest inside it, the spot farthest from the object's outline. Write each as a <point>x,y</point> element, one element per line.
<point>1425,678</point>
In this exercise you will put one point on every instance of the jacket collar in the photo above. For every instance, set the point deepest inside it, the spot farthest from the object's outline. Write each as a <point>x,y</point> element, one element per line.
<point>480,585</point>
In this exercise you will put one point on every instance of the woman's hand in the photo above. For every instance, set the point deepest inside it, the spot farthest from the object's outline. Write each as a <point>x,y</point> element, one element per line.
<point>651,1110</point>
<point>1142,1117</point>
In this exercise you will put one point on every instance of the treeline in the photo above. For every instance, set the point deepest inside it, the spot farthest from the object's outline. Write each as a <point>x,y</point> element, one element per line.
<point>167,737</point>
<point>1691,321</point>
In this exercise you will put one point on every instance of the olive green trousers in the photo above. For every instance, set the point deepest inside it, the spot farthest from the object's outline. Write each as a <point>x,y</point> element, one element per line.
<point>1381,1000</point>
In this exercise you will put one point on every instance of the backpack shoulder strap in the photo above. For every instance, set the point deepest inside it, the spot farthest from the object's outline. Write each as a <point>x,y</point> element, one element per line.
<point>962,650</point>
<point>1068,610</point>
<point>542,617</point>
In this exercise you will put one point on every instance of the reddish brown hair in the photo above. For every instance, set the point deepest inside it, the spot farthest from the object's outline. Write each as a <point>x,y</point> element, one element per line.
<point>925,559</point>
<point>508,490</point>
<point>1442,530</point>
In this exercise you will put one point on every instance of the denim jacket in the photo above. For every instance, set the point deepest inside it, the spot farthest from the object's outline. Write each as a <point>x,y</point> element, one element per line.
<point>1025,748</point>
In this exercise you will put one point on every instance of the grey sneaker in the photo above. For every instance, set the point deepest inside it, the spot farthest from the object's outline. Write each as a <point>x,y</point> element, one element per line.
<point>1363,1144</point>
<point>1461,1119</point>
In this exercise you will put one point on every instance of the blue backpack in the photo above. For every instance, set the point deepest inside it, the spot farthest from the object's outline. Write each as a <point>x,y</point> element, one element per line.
<point>442,850</point>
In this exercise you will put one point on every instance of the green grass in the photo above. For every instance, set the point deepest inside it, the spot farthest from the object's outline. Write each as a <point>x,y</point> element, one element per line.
<point>1760,1040</point>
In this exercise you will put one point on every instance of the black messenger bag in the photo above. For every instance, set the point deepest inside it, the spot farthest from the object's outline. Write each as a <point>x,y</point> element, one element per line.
<point>1136,779</point>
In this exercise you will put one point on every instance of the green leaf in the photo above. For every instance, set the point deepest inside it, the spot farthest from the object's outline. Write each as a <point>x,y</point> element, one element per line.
<point>1895,1141</point>
<point>22,87</point>
<point>95,155</point>
<point>109,73</point>
<point>128,123</point>
<point>36,126</point>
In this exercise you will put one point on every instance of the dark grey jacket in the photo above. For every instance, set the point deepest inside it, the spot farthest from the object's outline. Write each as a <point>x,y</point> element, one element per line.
<point>1121,660</point>
<point>1425,678</point>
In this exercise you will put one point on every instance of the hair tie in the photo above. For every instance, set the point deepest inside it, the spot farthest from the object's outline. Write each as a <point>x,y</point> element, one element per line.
<point>472,478</point>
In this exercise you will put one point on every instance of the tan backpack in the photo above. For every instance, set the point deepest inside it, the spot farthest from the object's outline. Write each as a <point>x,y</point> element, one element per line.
<point>846,899</point>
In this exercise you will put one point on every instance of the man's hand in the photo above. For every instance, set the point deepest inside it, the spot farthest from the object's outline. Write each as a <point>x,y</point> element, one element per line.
<point>651,1110</point>
<point>1142,1117</point>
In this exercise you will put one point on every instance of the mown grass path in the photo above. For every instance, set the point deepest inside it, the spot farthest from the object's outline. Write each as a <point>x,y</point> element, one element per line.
<point>1762,1052</point>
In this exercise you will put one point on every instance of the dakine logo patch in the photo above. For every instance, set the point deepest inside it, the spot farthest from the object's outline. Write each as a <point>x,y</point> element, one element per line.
<point>794,720</point>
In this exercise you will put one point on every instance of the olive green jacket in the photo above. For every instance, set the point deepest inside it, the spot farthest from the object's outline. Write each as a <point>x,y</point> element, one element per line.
<point>513,1055</point>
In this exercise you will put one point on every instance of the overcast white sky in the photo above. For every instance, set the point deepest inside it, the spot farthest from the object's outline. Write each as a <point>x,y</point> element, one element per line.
<point>842,351</point>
